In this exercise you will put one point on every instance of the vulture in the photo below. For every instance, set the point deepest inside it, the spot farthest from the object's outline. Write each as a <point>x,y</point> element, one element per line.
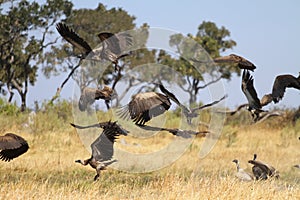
<point>176,131</point>
<point>111,49</point>
<point>89,95</point>
<point>239,60</point>
<point>254,104</point>
<point>189,113</point>
<point>241,174</point>
<point>102,147</point>
<point>12,146</point>
<point>280,84</point>
<point>144,106</point>
<point>234,59</point>
<point>262,170</point>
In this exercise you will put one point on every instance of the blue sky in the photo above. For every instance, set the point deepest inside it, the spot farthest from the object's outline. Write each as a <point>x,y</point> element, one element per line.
<point>267,33</point>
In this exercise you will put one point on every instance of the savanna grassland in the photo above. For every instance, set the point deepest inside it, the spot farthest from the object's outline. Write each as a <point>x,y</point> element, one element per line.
<point>48,170</point>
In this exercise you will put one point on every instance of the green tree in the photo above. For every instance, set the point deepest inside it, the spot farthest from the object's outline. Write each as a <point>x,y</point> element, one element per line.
<point>25,29</point>
<point>210,42</point>
<point>82,21</point>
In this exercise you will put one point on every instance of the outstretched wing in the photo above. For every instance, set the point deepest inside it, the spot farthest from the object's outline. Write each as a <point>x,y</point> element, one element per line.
<point>209,104</point>
<point>173,97</point>
<point>102,147</point>
<point>12,146</point>
<point>145,106</point>
<point>116,43</point>
<point>234,111</point>
<point>281,83</point>
<point>73,38</point>
<point>233,58</point>
<point>249,91</point>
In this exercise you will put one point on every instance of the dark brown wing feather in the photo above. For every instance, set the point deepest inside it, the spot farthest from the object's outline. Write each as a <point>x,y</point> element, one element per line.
<point>209,104</point>
<point>145,106</point>
<point>12,146</point>
<point>171,96</point>
<point>234,111</point>
<point>269,170</point>
<point>281,83</point>
<point>249,91</point>
<point>233,58</point>
<point>116,43</point>
<point>102,147</point>
<point>73,38</point>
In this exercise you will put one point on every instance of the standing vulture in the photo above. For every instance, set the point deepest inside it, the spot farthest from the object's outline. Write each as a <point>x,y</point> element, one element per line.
<point>262,170</point>
<point>111,49</point>
<point>12,146</point>
<point>280,84</point>
<point>241,174</point>
<point>89,95</point>
<point>144,106</point>
<point>102,147</point>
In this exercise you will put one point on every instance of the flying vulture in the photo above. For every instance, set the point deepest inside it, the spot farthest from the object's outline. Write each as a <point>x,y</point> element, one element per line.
<point>89,95</point>
<point>144,106</point>
<point>280,84</point>
<point>102,147</point>
<point>111,49</point>
<point>12,146</point>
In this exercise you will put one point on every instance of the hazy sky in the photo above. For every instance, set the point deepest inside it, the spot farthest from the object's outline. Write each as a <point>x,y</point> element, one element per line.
<point>267,33</point>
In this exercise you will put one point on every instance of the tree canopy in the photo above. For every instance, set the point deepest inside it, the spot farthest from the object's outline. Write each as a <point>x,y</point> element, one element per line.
<point>24,30</point>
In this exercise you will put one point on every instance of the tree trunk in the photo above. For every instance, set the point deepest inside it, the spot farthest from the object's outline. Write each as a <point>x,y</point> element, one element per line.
<point>23,101</point>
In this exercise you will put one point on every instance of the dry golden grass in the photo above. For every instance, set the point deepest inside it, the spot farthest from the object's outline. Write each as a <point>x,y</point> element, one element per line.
<point>48,171</point>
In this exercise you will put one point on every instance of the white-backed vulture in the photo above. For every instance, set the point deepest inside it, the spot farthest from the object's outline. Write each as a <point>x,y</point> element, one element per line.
<point>102,147</point>
<point>111,49</point>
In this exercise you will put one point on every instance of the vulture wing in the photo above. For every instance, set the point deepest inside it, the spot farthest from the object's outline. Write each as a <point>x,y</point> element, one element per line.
<point>73,38</point>
<point>209,104</point>
<point>234,111</point>
<point>249,91</point>
<point>281,83</point>
<point>145,106</point>
<point>102,147</point>
<point>116,43</point>
<point>12,146</point>
<point>173,98</point>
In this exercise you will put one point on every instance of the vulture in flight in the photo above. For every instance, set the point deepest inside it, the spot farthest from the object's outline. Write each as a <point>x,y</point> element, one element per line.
<point>239,60</point>
<point>242,63</point>
<point>144,106</point>
<point>12,146</point>
<point>89,95</point>
<point>262,170</point>
<point>176,131</point>
<point>102,147</point>
<point>280,84</point>
<point>254,104</point>
<point>111,49</point>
